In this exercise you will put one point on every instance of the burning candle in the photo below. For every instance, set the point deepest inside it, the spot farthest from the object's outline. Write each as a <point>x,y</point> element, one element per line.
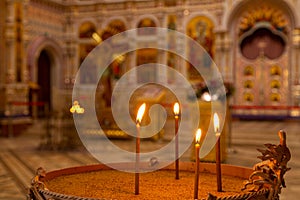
<point>137,145</point>
<point>197,147</point>
<point>176,114</point>
<point>218,153</point>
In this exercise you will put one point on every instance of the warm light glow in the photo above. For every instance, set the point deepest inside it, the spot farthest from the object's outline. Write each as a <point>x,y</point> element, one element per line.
<point>198,136</point>
<point>140,113</point>
<point>76,108</point>
<point>206,96</point>
<point>176,108</point>
<point>80,111</point>
<point>216,123</point>
<point>186,12</point>
<point>96,37</point>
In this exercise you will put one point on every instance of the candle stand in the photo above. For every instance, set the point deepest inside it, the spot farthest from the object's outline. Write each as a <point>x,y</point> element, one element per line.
<point>263,182</point>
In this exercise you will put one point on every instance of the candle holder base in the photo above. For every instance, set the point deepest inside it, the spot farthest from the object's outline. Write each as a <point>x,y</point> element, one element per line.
<point>186,170</point>
<point>263,183</point>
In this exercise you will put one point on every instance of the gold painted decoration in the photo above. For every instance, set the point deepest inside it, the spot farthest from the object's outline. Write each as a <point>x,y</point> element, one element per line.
<point>249,71</point>
<point>273,16</point>
<point>275,84</point>
<point>248,84</point>
<point>172,22</point>
<point>86,30</point>
<point>275,70</point>
<point>146,22</point>
<point>275,97</point>
<point>248,97</point>
<point>113,28</point>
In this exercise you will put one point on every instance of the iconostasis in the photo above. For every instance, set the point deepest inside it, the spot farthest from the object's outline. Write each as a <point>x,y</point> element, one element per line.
<point>262,53</point>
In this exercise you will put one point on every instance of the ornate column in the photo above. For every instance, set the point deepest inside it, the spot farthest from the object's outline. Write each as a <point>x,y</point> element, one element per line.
<point>70,65</point>
<point>73,46</point>
<point>295,68</point>
<point>10,42</point>
<point>132,59</point>
<point>296,49</point>
<point>72,50</point>
<point>69,71</point>
<point>132,43</point>
<point>222,57</point>
<point>3,65</point>
<point>162,54</point>
<point>219,55</point>
<point>10,11</point>
<point>228,58</point>
<point>180,43</point>
<point>25,70</point>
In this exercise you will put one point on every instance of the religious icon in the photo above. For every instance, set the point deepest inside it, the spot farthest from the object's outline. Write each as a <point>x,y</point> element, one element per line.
<point>200,29</point>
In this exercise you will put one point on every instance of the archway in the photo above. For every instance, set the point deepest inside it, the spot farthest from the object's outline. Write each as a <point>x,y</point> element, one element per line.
<point>262,33</point>
<point>46,75</point>
<point>44,82</point>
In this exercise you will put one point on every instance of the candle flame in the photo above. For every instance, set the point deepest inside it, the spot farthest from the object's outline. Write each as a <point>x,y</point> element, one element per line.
<point>216,123</point>
<point>176,108</point>
<point>140,113</point>
<point>198,135</point>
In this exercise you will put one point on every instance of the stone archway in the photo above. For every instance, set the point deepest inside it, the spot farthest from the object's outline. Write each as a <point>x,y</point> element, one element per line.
<point>44,61</point>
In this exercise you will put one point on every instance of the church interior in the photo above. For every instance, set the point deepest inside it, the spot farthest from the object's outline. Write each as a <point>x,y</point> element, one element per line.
<point>61,59</point>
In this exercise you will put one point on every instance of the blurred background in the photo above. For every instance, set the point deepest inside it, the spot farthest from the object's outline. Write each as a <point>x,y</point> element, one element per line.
<point>43,43</point>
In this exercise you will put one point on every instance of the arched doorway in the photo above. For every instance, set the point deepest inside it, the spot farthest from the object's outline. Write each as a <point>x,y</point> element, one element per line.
<point>46,72</point>
<point>261,58</point>
<point>265,52</point>
<point>44,81</point>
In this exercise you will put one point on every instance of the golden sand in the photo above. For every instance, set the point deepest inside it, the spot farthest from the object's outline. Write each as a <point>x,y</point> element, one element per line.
<point>111,184</point>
